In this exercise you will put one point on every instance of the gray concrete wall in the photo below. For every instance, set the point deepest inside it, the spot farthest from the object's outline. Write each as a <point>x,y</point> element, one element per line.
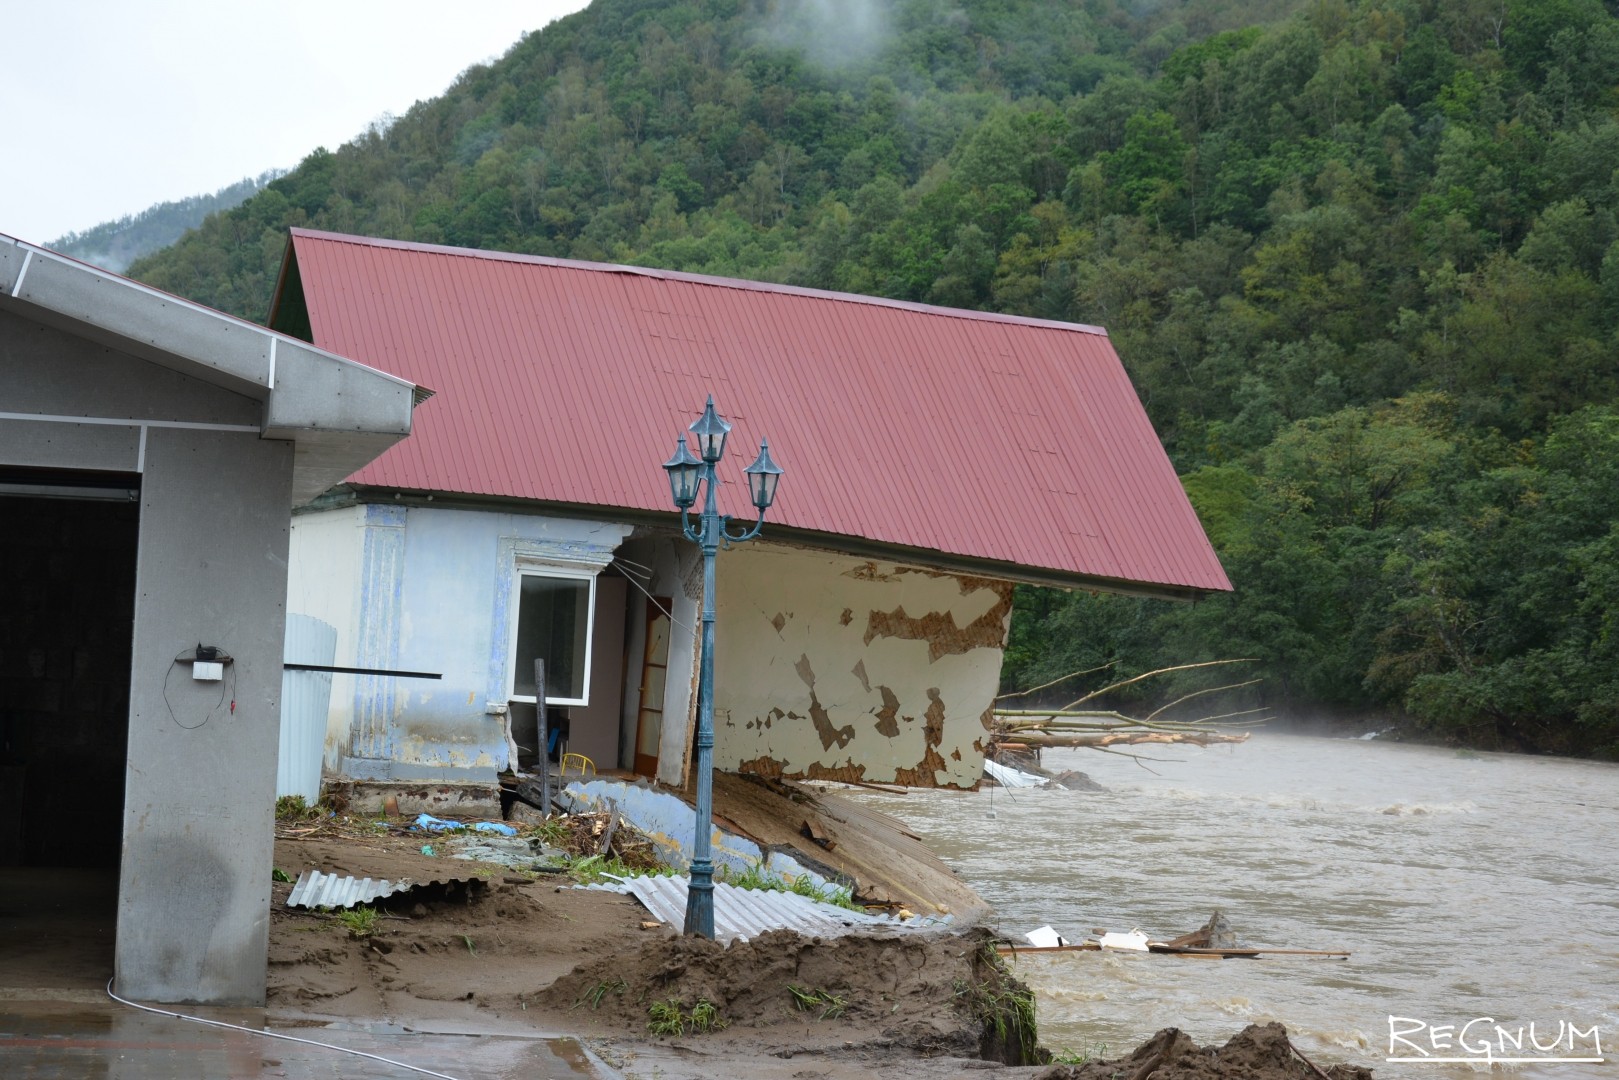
<point>193,906</point>
<point>48,371</point>
<point>198,814</point>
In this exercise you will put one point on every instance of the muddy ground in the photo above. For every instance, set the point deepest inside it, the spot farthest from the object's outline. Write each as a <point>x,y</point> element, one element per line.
<point>504,951</point>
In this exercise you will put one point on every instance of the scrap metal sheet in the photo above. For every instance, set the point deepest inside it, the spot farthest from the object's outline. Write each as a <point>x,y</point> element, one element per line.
<point>316,890</point>
<point>741,914</point>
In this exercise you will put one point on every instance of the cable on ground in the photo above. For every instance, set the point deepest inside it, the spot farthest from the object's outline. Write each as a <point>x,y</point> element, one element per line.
<point>275,1035</point>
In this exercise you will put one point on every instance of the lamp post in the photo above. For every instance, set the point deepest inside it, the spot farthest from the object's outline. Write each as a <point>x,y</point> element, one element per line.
<point>686,472</point>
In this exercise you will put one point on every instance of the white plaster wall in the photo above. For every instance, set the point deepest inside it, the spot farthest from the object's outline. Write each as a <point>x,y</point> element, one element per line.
<point>836,667</point>
<point>323,581</point>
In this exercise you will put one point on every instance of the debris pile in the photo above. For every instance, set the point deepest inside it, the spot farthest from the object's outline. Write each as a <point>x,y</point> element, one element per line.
<point>1214,938</point>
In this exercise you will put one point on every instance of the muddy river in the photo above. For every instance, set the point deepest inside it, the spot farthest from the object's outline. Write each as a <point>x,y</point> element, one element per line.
<point>1478,893</point>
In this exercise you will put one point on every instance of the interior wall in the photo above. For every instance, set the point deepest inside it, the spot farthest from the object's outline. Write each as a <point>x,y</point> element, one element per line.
<point>67,604</point>
<point>677,572</point>
<point>593,729</point>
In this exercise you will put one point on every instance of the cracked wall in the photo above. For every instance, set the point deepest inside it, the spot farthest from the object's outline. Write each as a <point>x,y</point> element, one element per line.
<point>832,667</point>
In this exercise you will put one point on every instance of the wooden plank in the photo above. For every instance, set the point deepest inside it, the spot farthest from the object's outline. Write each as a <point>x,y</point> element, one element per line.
<point>1168,950</point>
<point>1174,950</point>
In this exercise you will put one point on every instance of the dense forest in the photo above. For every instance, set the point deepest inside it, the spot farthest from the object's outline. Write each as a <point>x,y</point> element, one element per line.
<point>1360,258</point>
<point>113,245</point>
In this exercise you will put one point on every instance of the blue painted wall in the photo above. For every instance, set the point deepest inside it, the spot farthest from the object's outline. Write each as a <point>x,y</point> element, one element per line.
<point>436,589</point>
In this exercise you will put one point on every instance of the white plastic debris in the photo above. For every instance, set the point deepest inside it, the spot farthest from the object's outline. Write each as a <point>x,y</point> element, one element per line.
<point>1045,938</point>
<point>1133,940</point>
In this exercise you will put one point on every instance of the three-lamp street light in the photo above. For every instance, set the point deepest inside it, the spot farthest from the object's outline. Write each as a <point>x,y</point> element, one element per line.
<point>686,473</point>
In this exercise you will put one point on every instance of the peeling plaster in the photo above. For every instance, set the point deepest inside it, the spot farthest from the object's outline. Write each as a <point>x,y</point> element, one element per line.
<point>847,773</point>
<point>939,629</point>
<point>886,722</point>
<point>885,698</point>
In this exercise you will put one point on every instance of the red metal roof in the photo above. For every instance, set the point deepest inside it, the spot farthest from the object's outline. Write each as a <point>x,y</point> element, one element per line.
<point>984,436</point>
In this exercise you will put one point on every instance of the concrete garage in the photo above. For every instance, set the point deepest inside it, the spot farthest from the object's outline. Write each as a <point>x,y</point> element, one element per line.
<point>150,453</point>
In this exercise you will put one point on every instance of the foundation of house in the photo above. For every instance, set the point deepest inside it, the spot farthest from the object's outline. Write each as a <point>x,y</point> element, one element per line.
<point>446,800</point>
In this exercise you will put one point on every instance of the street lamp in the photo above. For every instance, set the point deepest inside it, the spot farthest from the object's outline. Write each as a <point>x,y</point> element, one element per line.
<point>686,472</point>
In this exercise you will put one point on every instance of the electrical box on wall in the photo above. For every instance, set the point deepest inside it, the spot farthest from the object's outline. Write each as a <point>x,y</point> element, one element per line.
<point>208,662</point>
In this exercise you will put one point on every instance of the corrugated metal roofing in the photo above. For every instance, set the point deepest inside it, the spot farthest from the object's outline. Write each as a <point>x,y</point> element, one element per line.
<point>742,914</point>
<point>315,889</point>
<point>983,436</point>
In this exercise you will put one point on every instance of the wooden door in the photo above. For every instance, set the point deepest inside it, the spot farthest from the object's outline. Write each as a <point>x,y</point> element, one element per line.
<point>654,670</point>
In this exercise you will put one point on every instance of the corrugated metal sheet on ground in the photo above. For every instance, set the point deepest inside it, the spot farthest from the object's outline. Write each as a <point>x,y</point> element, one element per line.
<point>991,437</point>
<point>315,889</point>
<point>741,914</point>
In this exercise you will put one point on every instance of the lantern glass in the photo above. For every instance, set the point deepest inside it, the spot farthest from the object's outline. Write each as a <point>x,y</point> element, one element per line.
<point>763,475</point>
<point>711,431</point>
<point>683,471</point>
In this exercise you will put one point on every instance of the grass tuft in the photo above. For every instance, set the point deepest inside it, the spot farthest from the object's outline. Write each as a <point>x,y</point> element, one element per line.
<point>666,1017</point>
<point>806,999</point>
<point>360,921</point>
<point>705,1017</point>
<point>293,808</point>
<point>596,994</point>
<point>1067,1056</point>
<point>669,1017</point>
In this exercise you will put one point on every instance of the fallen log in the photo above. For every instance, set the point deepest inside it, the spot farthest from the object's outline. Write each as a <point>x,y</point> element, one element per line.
<point>1048,739</point>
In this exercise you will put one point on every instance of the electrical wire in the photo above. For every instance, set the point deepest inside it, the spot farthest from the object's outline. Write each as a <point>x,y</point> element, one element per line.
<point>654,601</point>
<point>275,1035</point>
<point>640,570</point>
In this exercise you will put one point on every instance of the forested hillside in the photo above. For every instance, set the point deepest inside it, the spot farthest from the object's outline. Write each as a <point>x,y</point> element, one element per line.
<point>1361,259</point>
<point>113,245</point>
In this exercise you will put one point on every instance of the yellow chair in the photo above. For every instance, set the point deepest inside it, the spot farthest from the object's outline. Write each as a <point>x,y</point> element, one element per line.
<point>581,761</point>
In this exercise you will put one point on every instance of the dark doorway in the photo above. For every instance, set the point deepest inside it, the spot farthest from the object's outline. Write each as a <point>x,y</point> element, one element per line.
<point>67,614</point>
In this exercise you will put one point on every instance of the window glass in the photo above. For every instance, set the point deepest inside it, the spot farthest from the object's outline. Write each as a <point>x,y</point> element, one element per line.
<point>553,624</point>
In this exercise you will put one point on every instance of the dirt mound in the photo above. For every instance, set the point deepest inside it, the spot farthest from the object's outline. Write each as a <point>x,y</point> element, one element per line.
<point>933,994</point>
<point>1254,1053</point>
<point>481,943</point>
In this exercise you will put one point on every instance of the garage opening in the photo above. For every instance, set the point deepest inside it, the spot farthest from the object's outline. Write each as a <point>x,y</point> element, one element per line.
<point>67,614</point>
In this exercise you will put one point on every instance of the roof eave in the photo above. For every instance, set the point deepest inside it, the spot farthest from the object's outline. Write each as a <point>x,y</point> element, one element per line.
<point>341,415</point>
<point>812,539</point>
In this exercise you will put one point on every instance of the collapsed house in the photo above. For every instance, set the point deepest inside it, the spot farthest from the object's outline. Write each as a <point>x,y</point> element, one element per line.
<point>934,459</point>
<point>150,452</point>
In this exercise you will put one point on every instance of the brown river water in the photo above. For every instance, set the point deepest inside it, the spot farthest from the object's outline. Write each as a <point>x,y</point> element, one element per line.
<point>1469,887</point>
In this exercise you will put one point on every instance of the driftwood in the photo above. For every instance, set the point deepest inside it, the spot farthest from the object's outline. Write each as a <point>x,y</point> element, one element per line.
<point>1023,730</point>
<point>1045,740</point>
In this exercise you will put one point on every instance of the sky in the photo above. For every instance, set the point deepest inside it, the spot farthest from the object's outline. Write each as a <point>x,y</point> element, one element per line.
<point>115,105</point>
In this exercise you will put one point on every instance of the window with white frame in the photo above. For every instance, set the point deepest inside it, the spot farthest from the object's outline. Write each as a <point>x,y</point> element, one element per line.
<point>552,620</point>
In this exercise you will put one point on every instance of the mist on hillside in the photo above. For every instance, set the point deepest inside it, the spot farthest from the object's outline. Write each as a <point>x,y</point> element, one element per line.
<point>114,245</point>
<point>834,34</point>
